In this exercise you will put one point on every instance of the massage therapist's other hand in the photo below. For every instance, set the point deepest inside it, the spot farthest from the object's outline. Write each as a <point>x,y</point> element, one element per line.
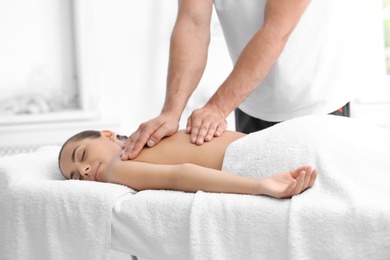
<point>206,123</point>
<point>149,133</point>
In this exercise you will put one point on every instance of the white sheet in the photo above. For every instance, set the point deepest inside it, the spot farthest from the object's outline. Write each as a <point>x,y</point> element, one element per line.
<point>346,215</point>
<point>44,217</point>
<point>153,224</point>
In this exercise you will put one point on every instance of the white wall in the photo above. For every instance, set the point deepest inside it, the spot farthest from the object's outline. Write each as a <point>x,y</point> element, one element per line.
<point>373,105</point>
<point>123,48</point>
<point>36,54</point>
<point>133,44</point>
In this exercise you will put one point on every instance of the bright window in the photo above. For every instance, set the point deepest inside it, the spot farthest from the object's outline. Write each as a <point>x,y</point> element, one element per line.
<point>37,57</point>
<point>386,16</point>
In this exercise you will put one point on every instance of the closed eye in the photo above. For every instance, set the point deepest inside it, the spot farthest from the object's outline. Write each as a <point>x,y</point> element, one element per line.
<point>83,156</point>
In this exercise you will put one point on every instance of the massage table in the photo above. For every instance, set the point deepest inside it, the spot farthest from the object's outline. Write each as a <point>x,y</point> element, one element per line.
<point>345,215</point>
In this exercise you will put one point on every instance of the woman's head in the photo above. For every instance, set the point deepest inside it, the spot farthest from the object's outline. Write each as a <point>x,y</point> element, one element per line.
<point>86,155</point>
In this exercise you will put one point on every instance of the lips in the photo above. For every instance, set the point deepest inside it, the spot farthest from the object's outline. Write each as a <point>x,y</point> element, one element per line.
<point>97,172</point>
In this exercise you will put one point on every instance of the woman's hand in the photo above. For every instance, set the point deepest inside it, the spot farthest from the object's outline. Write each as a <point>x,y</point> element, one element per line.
<point>288,184</point>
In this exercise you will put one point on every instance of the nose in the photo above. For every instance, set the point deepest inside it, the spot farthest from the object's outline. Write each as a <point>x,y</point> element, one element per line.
<point>85,170</point>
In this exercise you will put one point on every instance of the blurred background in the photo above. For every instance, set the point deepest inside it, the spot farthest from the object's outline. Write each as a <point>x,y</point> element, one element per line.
<point>71,65</point>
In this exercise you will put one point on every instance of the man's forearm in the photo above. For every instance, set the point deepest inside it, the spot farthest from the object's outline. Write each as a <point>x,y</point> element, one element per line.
<point>262,51</point>
<point>187,61</point>
<point>249,71</point>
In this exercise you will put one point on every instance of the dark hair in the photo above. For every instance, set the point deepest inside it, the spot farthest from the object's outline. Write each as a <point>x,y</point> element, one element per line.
<point>93,134</point>
<point>80,136</point>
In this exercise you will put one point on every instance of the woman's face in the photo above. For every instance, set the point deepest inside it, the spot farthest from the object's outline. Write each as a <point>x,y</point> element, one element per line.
<point>88,159</point>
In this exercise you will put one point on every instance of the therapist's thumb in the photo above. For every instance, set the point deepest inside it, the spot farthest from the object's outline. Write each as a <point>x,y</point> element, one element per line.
<point>155,138</point>
<point>159,134</point>
<point>151,143</point>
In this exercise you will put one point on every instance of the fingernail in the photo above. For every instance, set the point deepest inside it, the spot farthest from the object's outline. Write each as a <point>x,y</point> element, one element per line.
<point>151,143</point>
<point>193,139</point>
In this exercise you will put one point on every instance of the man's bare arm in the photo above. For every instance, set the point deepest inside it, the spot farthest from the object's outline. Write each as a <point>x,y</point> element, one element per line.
<point>188,52</point>
<point>187,61</point>
<point>252,66</point>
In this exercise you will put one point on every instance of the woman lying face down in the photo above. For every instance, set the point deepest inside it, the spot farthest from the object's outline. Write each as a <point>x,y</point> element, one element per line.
<point>174,164</point>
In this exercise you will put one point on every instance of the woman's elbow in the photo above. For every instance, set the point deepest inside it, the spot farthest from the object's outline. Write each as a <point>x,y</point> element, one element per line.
<point>176,175</point>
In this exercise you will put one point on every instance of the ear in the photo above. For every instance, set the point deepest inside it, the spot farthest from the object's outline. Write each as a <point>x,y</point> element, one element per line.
<point>109,135</point>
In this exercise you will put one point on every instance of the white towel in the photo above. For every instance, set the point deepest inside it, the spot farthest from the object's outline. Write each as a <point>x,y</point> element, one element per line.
<point>346,215</point>
<point>153,224</point>
<point>46,217</point>
<point>231,226</point>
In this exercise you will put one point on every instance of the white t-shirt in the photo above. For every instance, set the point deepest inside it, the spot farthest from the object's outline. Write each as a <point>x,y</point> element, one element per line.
<point>322,67</point>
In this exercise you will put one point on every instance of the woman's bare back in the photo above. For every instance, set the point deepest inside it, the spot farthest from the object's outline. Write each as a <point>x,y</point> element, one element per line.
<point>177,149</point>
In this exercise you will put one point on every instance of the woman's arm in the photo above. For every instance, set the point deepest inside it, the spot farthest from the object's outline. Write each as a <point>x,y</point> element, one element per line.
<point>191,178</point>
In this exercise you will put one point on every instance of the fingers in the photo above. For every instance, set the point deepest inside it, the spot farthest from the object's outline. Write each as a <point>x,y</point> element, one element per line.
<point>295,173</point>
<point>205,124</point>
<point>304,178</point>
<point>134,144</point>
<point>150,134</point>
<point>310,177</point>
<point>307,179</point>
<point>300,181</point>
<point>313,178</point>
<point>156,137</point>
<point>295,186</point>
<point>288,192</point>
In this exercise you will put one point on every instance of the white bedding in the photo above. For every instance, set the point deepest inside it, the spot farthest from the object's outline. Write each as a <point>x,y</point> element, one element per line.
<point>44,217</point>
<point>344,216</point>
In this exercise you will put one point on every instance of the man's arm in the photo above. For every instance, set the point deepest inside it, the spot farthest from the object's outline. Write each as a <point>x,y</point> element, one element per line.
<point>187,61</point>
<point>254,63</point>
<point>191,178</point>
<point>188,53</point>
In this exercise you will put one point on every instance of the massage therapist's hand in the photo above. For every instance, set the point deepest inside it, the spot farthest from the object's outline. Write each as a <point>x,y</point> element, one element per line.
<point>205,123</point>
<point>149,133</point>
